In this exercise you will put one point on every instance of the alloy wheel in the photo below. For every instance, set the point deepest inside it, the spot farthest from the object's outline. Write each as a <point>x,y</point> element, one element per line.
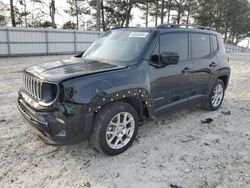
<point>217,95</point>
<point>120,130</point>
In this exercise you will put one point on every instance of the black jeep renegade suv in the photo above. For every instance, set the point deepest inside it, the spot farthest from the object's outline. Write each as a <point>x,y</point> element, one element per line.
<point>127,75</point>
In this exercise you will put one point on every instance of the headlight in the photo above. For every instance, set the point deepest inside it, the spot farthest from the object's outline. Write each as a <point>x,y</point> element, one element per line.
<point>49,93</point>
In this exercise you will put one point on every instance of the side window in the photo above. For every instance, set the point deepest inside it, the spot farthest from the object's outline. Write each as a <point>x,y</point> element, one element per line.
<point>215,43</point>
<point>200,45</point>
<point>175,42</point>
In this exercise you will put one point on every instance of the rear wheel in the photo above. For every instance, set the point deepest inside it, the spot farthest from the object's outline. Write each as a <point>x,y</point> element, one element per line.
<point>216,96</point>
<point>115,128</point>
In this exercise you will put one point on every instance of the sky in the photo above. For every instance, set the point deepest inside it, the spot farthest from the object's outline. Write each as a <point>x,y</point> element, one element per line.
<point>63,17</point>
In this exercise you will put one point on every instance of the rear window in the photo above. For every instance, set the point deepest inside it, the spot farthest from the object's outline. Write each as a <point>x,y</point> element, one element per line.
<point>200,45</point>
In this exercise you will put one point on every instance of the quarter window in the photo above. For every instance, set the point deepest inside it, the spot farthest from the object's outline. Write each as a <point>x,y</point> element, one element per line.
<point>215,42</point>
<point>175,42</point>
<point>200,45</point>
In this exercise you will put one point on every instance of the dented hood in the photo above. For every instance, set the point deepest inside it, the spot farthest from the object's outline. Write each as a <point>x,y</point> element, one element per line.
<point>57,71</point>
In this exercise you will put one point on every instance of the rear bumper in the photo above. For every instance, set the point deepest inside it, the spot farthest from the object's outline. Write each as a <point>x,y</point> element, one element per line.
<point>58,127</point>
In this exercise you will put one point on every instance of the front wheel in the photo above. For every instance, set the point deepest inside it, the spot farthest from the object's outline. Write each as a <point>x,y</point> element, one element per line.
<point>115,128</point>
<point>216,96</point>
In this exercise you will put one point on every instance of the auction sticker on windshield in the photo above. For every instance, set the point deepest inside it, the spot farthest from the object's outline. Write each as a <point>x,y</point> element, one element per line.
<point>138,35</point>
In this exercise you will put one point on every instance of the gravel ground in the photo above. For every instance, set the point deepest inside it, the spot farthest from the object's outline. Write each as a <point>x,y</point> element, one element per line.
<point>177,151</point>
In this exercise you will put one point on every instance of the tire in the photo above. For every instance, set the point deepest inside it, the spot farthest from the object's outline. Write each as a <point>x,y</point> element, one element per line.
<point>211,104</point>
<point>108,130</point>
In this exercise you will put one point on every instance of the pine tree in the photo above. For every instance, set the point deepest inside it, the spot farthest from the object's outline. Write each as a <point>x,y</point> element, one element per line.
<point>48,9</point>
<point>12,14</point>
<point>3,17</point>
<point>191,6</point>
<point>98,15</point>
<point>144,7</point>
<point>231,17</point>
<point>180,7</point>
<point>76,9</point>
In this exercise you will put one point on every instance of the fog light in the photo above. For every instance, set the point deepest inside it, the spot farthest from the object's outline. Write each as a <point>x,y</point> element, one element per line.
<point>60,120</point>
<point>61,134</point>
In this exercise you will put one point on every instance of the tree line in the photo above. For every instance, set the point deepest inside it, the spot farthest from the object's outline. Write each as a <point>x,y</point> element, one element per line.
<point>229,17</point>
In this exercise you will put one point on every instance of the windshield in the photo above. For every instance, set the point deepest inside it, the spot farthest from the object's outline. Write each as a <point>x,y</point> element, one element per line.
<point>121,46</point>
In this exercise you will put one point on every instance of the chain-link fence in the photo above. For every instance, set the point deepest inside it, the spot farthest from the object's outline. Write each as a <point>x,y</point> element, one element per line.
<point>230,48</point>
<point>30,41</point>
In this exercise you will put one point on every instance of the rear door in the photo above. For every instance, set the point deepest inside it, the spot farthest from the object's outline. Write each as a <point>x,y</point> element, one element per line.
<point>205,63</point>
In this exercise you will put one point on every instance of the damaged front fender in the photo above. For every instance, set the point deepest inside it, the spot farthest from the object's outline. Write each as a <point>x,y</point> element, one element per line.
<point>99,89</point>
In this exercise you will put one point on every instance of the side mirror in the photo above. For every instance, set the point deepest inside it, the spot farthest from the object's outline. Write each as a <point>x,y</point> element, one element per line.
<point>169,58</point>
<point>79,55</point>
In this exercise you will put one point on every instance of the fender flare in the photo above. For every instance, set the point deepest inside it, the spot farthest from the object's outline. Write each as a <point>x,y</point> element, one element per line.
<point>218,73</point>
<point>103,98</point>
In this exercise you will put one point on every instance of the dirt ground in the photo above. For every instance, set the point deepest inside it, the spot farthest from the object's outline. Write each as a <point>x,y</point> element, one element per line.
<point>177,151</point>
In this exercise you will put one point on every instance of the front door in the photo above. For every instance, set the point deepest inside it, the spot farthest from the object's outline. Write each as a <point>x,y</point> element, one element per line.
<point>171,86</point>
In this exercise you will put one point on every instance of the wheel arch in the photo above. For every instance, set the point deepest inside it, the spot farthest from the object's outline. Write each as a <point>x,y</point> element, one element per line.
<point>225,79</point>
<point>139,98</point>
<point>223,74</point>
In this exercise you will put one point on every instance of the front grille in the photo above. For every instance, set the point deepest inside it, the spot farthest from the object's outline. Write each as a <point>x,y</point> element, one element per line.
<point>33,86</point>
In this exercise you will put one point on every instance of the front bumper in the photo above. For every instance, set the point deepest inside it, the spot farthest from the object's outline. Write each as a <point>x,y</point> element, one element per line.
<point>58,126</point>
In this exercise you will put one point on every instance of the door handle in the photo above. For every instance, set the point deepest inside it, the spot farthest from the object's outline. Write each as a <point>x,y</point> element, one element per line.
<point>186,70</point>
<point>213,64</point>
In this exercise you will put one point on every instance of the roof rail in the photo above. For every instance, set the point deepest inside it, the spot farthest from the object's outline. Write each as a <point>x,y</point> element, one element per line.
<point>169,26</point>
<point>122,28</point>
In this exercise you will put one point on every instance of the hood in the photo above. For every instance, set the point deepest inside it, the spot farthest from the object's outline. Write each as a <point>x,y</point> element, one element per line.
<point>57,71</point>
